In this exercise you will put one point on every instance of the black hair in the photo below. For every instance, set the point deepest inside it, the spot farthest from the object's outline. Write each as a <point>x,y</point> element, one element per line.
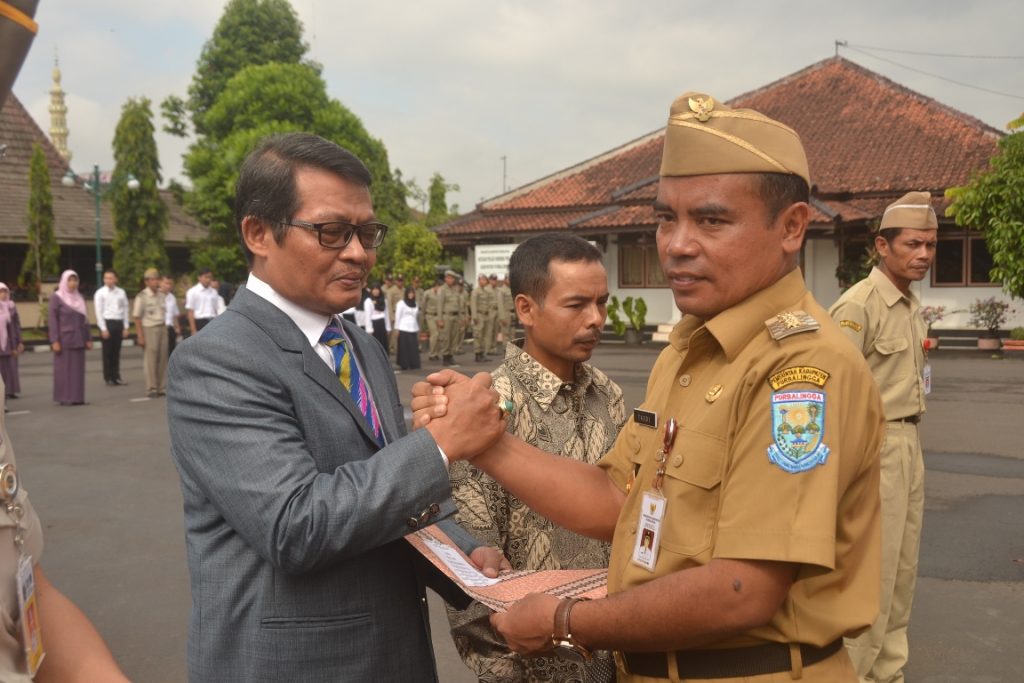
<point>779,191</point>
<point>528,268</point>
<point>266,182</point>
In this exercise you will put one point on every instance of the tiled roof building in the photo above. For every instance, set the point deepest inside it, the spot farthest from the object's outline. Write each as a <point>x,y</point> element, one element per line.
<point>868,140</point>
<point>74,208</point>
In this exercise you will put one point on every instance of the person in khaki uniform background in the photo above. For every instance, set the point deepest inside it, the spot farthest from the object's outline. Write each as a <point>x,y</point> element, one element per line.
<point>393,296</point>
<point>506,309</point>
<point>431,314</point>
<point>483,310</point>
<point>764,550</point>
<point>880,316</point>
<point>452,313</point>
<point>150,313</point>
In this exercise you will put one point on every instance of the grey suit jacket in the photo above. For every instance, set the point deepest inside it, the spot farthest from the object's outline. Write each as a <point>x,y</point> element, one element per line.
<point>294,516</point>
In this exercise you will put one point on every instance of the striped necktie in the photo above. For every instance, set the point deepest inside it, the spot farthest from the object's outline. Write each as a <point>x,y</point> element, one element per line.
<point>347,370</point>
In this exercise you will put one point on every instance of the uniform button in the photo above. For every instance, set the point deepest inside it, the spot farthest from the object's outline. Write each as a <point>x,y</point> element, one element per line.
<point>412,523</point>
<point>636,447</point>
<point>632,529</point>
<point>677,461</point>
<point>684,381</point>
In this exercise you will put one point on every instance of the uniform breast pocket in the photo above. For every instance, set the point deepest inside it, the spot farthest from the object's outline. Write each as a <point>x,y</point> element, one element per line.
<point>890,349</point>
<point>692,488</point>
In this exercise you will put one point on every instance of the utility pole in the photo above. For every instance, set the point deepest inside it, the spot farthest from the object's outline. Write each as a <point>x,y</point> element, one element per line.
<point>504,174</point>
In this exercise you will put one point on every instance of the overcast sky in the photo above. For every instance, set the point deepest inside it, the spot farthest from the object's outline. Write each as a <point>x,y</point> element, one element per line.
<point>455,85</point>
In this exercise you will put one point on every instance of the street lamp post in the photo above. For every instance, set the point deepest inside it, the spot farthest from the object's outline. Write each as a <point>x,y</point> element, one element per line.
<point>96,188</point>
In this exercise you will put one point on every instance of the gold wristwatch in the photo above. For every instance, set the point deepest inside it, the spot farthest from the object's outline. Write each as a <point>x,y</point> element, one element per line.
<point>565,647</point>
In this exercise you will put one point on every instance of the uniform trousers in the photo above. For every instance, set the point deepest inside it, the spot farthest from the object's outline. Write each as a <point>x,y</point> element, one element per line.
<point>435,336</point>
<point>450,344</point>
<point>112,350</point>
<point>154,358</point>
<point>483,334</point>
<point>880,653</point>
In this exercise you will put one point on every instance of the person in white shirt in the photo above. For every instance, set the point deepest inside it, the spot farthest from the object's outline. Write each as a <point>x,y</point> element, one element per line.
<point>215,286</point>
<point>110,304</point>
<point>407,323</point>
<point>173,314</point>
<point>375,316</point>
<point>201,302</point>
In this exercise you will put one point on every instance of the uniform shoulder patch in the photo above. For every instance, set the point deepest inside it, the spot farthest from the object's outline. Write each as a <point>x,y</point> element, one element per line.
<point>789,323</point>
<point>798,430</point>
<point>853,325</point>
<point>801,373</point>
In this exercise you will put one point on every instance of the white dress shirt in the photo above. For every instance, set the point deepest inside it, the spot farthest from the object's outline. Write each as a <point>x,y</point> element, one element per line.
<point>406,317</point>
<point>172,310</point>
<point>202,301</point>
<point>110,303</point>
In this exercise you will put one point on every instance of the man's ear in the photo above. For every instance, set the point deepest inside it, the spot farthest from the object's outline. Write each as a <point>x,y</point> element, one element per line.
<point>793,221</point>
<point>256,235</point>
<point>525,307</point>
<point>881,246</point>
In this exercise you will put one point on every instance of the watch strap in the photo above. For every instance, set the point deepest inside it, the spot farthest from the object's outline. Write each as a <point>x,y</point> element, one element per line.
<point>562,631</point>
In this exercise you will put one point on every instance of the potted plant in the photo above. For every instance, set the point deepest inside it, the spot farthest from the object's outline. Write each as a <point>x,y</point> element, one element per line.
<point>932,315</point>
<point>988,315</point>
<point>1016,340</point>
<point>635,311</point>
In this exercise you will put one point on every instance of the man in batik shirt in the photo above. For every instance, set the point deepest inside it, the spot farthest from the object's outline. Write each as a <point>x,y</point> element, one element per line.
<point>563,405</point>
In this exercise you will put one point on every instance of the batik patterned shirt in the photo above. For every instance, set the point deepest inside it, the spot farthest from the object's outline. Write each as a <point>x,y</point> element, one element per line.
<point>580,420</point>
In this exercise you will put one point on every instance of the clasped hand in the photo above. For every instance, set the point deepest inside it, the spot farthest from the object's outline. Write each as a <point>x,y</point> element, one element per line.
<point>461,413</point>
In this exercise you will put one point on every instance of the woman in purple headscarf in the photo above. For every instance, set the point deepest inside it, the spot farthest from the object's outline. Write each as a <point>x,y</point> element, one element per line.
<point>10,343</point>
<point>69,339</point>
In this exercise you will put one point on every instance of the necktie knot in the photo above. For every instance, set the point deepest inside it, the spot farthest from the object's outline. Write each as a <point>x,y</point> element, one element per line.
<point>333,335</point>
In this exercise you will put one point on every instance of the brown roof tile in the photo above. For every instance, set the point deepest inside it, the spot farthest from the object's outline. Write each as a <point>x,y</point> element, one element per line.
<point>73,207</point>
<point>868,140</point>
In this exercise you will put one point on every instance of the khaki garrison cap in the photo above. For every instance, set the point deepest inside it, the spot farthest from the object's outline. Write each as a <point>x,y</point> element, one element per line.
<point>704,137</point>
<point>450,272</point>
<point>151,272</point>
<point>913,210</point>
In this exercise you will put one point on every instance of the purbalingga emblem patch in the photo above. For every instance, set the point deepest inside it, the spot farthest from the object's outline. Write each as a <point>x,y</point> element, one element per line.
<point>798,425</point>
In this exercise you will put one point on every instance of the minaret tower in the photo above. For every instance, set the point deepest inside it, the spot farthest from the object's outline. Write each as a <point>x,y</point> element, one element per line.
<point>58,115</point>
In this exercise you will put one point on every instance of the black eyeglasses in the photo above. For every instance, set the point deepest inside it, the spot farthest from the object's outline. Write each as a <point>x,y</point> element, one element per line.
<point>337,234</point>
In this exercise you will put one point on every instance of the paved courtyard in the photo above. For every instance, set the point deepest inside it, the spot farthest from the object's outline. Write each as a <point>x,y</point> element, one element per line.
<point>105,487</point>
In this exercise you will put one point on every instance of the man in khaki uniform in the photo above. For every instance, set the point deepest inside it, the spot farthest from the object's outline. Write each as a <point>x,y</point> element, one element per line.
<point>483,310</point>
<point>742,496</point>
<point>150,313</point>
<point>431,314</point>
<point>392,296</point>
<point>452,312</point>
<point>880,316</point>
<point>506,309</point>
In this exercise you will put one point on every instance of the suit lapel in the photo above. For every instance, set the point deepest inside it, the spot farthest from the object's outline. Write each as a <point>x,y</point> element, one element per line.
<point>288,337</point>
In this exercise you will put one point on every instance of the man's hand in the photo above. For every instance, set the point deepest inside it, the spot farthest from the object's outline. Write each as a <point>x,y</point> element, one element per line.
<point>528,625</point>
<point>140,339</point>
<point>490,561</point>
<point>428,397</point>
<point>88,344</point>
<point>105,334</point>
<point>472,422</point>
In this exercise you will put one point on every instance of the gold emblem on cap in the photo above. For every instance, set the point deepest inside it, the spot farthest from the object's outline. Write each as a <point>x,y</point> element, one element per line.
<point>713,393</point>
<point>701,106</point>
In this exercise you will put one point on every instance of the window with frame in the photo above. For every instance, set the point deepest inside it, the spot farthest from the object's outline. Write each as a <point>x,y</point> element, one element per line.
<point>638,263</point>
<point>962,259</point>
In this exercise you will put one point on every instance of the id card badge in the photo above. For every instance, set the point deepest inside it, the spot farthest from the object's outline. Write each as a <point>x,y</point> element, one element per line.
<point>28,606</point>
<point>927,376</point>
<point>648,530</point>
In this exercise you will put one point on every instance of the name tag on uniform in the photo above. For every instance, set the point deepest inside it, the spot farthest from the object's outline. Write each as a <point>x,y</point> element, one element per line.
<point>927,376</point>
<point>648,530</point>
<point>647,418</point>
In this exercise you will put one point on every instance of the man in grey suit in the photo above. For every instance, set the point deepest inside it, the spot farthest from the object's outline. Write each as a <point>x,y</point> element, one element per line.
<point>298,477</point>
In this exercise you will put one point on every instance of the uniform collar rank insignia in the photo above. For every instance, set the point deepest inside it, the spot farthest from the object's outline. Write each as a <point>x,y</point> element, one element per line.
<point>790,322</point>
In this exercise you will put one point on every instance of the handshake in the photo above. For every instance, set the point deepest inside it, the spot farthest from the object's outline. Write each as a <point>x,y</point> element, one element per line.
<point>464,415</point>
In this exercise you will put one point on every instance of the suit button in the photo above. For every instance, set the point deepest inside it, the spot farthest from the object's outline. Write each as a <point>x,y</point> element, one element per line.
<point>424,517</point>
<point>412,523</point>
<point>434,508</point>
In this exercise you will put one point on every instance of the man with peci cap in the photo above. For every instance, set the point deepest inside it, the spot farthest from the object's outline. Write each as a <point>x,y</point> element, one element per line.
<point>880,315</point>
<point>741,497</point>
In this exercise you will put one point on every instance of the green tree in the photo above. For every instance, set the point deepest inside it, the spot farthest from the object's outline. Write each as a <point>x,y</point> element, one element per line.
<point>43,256</point>
<point>140,216</point>
<point>259,101</point>
<point>994,202</point>
<point>410,249</point>
<point>249,32</point>
<point>437,213</point>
